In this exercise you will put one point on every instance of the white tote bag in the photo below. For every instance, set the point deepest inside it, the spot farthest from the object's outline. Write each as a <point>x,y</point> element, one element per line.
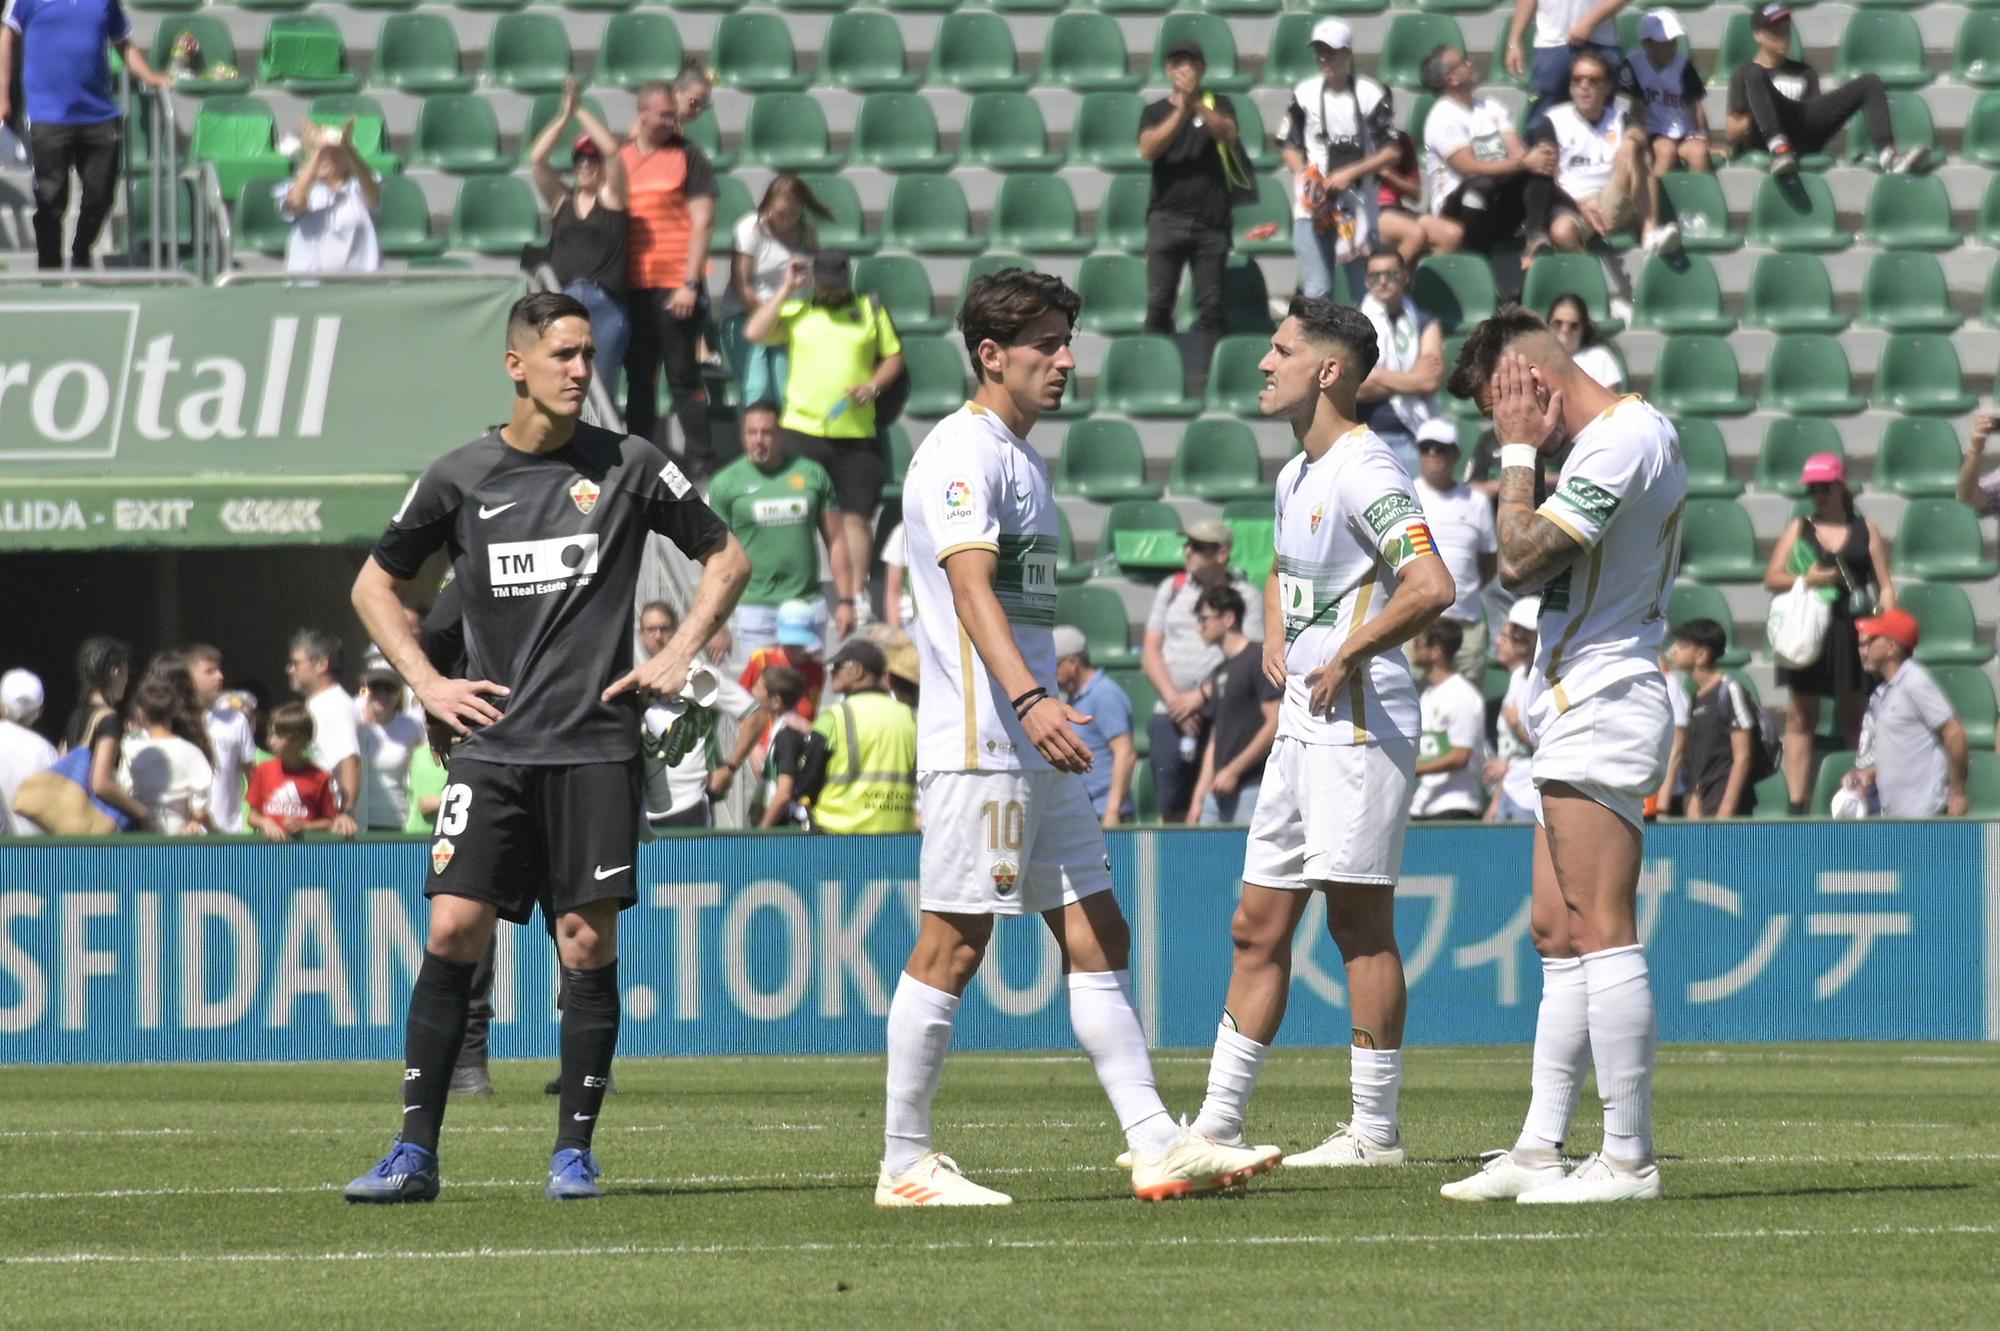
<point>1796,627</point>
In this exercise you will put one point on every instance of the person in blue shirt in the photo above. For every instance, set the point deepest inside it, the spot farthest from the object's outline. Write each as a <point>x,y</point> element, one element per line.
<point>1108,733</point>
<point>73,112</point>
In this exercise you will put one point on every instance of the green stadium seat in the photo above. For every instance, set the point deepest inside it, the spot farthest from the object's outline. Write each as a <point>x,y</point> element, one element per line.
<point>1246,300</point>
<point>1141,537</point>
<point>639,48</point>
<point>1139,691</point>
<point>1085,51</point>
<point>900,452</point>
<point>260,228</point>
<point>1037,213</point>
<point>490,5</point>
<point>1796,212</point>
<point>1217,43</point>
<point>418,53</point>
<point>847,228</point>
<point>1982,130</point>
<point>544,108</point>
<point>217,48</point>
<point>753,51</point>
<point>1113,288</point>
<point>786,131</point>
<point>1105,133</point>
<point>1808,374</point>
<point>937,376</point>
<point>1273,209</point>
<point>403,222</point>
<point>1788,442</point>
<point>1258,145</point>
<point>1919,373</point>
<point>1718,543</point>
<point>1455,289</point>
<point>705,133</point>
<point>528,53</point>
<point>1234,381</point>
<point>1696,375</point>
<point>1695,600</point>
<point>928,215</point>
<point>1290,61</point>
<point>732,204</point>
<point>139,221</point>
<point>902,286</point>
<point>1142,375</point>
<point>1694,198</point>
<point>709,5</point>
<point>1218,460</point>
<point>1949,635</point>
<point>1940,538</point>
<point>1791,293</point>
<point>371,132</point>
<point>1067,568</point>
<point>1773,799</point>
<point>269,6</point>
<point>1005,131</point>
<point>1906,293</point>
<point>1410,38</point>
<point>1145,794</point>
<point>863,51</point>
<point>1886,44</point>
<point>495,215</point>
<point>1909,213</point>
<point>1245,8</point>
<point>305,53</point>
<point>456,132</point>
<point>1975,57</point>
<point>1121,217</point>
<point>1910,124</point>
<point>975,53</point>
<point>1102,460</point>
<point>1989,303</point>
<point>1100,613</point>
<point>237,134</point>
<point>163,6</point>
<point>1556,275</point>
<point>925,6</point>
<point>985,265</point>
<point>1680,294</point>
<point>809,6</point>
<point>595,6</point>
<point>1918,456</point>
<point>1987,229</point>
<point>898,132</point>
<point>1135,6</point>
<point>1833,769</point>
<point>1982,784</point>
<point>1707,458</point>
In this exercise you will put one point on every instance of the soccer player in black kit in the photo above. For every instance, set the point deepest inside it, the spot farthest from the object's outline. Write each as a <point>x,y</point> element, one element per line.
<point>545,519</point>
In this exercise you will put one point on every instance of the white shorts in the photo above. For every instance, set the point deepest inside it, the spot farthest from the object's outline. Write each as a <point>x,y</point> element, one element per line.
<point>1612,746</point>
<point>1331,813</point>
<point>1008,843</point>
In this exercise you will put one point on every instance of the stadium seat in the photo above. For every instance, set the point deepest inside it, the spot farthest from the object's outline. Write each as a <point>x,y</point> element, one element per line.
<point>985,265</point>
<point>1037,213</point>
<point>260,228</point>
<point>1982,130</point>
<point>1258,145</point>
<point>163,6</point>
<point>403,222</point>
<point>218,48</point>
<point>1234,381</point>
<point>1068,569</point>
<point>1975,57</point>
<point>1949,635</point>
<point>1556,275</point>
<point>1773,799</point>
<point>1718,543</point>
<point>1694,600</point>
<point>456,132</point>
<point>732,204</point>
<point>1788,442</point>
<point>1145,795</point>
<point>1910,124</point>
<point>1121,217</point>
<point>1013,6</point>
<point>846,229</point>
<point>1940,538</point>
<point>495,215</point>
<point>1105,133</point>
<point>1218,460</point>
<point>1707,458</point>
<point>786,131</point>
<point>928,215</point>
<point>1987,229</point>
<point>1113,288</point>
<point>1694,199</point>
<point>1102,460</point>
<point>1135,6</point>
<point>1139,691</point>
<point>900,451</point>
<point>900,283</point>
<point>528,53</point>
<point>139,221</point>
<point>937,376</point>
<point>1140,536</point>
<point>1919,373</point>
<point>1100,613</point>
<point>1982,784</point>
<point>490,5</point>
<point>1085,51</point>
<point>269,6</point>
<point>1273,209</point>
<point>1455,289</point>
<point>1142,375</point>
<point>237,133</point>
<point>304,53</point>
<point>1217,43</point>
<point>1246,299</point>
<point>1833,769</point>
<point>863,51</point>
<point>1680,294</point>
<point>418,53</point>
<point>1290,60</point>
<point>1005,131</point>
<point>1791,293</point>
<point>753,51</point>
<point>1796,212</point>
<point>1696,375</point>
<point>1919,456</point>
<point>897,132</point>
<point>705,133</point>
<point>1808,374</point>
<point>371,133</point>
<point>1410,38</point>
<point>1244,8</point>
<point>1884,43</point>
<point>612,6</point>
<point>639,48</point>
<point>544,108</point>
<point>975,53</point>
<point>1906,293</point>
<point>1909,213</point>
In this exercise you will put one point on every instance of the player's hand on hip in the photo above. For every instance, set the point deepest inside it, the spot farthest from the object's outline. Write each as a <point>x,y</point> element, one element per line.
<point>1049,725</point>
<point>1519,417</point>
<point>461,703</point>
<point>665,675</point>
<point>1326,683</point>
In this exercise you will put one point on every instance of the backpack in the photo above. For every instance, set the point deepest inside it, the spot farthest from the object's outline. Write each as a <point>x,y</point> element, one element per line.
<point>1767,745</point>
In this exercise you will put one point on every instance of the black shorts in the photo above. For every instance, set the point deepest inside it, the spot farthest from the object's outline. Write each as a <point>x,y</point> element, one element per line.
<point>559,837</point>
<point>856,467</point>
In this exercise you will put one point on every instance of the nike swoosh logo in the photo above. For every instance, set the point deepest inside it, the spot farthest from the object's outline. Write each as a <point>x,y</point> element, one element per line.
<point>583,1118</point>
<point>486,512</point>
<point>1020,496</point>
<point>601,873</point>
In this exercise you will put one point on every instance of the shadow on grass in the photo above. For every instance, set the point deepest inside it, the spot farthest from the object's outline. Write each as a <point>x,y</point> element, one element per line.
<point>1761,1194</point>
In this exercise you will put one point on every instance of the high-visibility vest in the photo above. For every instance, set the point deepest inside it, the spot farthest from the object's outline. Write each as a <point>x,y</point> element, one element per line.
<point>871,766</point>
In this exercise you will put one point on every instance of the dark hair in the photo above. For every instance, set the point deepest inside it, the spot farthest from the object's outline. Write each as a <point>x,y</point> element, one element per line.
<point>785,684</point>
<point>319,645</point>
<point>155,703</point>
<point>1593,57</point>
<point>1587,334</point>
<point>1221,599</point>
<point>761,404</point>
<point>539,309</point>
<point>1326,321</point>
<point>1430,70</point>
<point>97,660</point>
<point>1480,355</point>
<point>169,671</point>
<point>1445,635</point>
<point>1704,635</point>
<point>661,606</point>
<point>292,720</point>
<point>999,305</point>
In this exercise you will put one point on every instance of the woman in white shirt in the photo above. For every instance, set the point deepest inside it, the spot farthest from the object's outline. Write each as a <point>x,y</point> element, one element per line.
<point>389,739</point>
<point>170,776</point>
<point>1569,320</point>
<point>765,243</point>
<point>331,204</point>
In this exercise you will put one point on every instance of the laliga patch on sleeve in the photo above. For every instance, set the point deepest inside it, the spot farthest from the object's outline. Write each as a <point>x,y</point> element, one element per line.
<point>958,503</point>
<point>675,481</point>
<point>1389,510</point>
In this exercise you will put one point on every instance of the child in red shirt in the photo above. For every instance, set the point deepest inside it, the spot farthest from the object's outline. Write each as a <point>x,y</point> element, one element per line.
<point>287,794</point>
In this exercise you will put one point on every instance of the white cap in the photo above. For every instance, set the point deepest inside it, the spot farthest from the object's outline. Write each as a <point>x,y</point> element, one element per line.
<point>21,695</point>
<point>1070,641</point>
<point>1525,613</point>
<point>1661,25</point>
<point>1438,430</point>
<point>1332,32</point>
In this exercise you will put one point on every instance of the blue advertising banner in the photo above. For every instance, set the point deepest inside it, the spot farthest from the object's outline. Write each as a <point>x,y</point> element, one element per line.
<point>787,944</point>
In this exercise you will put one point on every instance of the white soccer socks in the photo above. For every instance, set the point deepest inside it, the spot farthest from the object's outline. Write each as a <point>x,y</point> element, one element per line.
<point>920,1019</point>
<point>1623,1033</point>
<point>1376,1080</point>
<point>1562,1053</point>
<point>1232,1076</point>
<point>1107,1027</point>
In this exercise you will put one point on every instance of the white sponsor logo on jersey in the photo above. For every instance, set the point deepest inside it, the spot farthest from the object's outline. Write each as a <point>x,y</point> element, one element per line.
<point>541,565</point>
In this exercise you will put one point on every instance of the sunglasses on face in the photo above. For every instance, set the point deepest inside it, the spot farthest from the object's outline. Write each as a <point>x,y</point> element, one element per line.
<point>1379,275</point>
<point>1203,548</point>
<point>1433,446</point>
<point>1587,79</point>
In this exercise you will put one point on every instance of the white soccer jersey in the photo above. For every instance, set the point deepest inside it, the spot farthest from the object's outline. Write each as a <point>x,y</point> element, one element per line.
<point>1585,151</point>
<point>1346,524</point>
<point>1621,497</point>
<point>974,484</point>
<point>1670,94</point>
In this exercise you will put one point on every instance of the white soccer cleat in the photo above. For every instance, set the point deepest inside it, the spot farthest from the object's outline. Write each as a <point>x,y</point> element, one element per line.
<point>1124,1160</point>
<point>1346,1149</point>
<point>1598,1180</point>
<point>935,1181</point>
<point>1501,1178</point>
<point>1194,1164</point>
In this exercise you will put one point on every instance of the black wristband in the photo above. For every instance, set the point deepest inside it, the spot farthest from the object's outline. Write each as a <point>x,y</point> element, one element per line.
<point>1029,699</point>
<point>1022,714</point>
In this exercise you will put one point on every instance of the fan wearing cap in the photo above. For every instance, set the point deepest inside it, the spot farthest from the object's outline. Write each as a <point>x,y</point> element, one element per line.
<point>1108,733</point>
<point>799,648</point>
<point>1775,103</point>
<point>1462,520</point>
<point>588,226</point>
<point>331,203</point>
<point>1564,29</point>
<point>1913,754</point>
<point>1340,129</point>
<point>871,748</point>
<point>1843,556</point>
<point>23,752</point>
<point>1661,78</point>
<point>1184,136</point>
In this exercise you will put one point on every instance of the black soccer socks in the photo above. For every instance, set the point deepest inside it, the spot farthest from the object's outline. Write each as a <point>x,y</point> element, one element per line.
<point>431,1040</point>
<point>589,1038</point>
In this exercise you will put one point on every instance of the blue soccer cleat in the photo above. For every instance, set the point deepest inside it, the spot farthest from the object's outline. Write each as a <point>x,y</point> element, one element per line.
<point>572,1176</point>
<point>409,1173</point>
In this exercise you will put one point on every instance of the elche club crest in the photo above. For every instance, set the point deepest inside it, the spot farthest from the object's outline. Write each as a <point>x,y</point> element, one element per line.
<point>584,494</point>
<point>441,853</point>
<point>1005,872</point>
<point>1319,511</point>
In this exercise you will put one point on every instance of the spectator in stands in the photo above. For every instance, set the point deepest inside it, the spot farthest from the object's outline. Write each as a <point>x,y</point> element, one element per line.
<point>1511,774</point>
<point>765,243</point>
<point>1569,319</point>
<point>1190,138</point>
<point>1843,556</point>
<point>1672,792</point>
<point>168,776</point>
<point>232,739</point>
<point>1400,393</point>
<point>389,740</point>
<point>1668,91</point>
<point>313,667</point>
<point>1244,703</point>
<point>331,204</point>
<point>1340,129</point>
<point>1775,103</point>
<point>844,354</point>
<point>589,227</point>
<point>1108,733</point>
<point>1462,521</point>
<point>1980,493</point>
<point>871,749</point>
<point>62,48</point>
<point>103,672</point>
<point>1400,218</point>
<point>1912,757</point>
<point>1564,30</point>
<point>1720,754</point>
<point>1178,662</point>
<point>781,508</point>
<point>1451,750</point>
<point>22,751</point>
<point>289,794</point>
<point>899,604</point>
<point>906,671</point>
<point>1599,189</point>
<point>189,717</point>
<point>1476,163</point>
<point>670,199</point>
<point>798,649</point>
<point>677,796</point>
<point>781,690</point>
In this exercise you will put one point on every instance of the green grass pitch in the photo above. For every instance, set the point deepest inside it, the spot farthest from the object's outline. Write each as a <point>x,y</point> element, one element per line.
<point>1818,1186</point>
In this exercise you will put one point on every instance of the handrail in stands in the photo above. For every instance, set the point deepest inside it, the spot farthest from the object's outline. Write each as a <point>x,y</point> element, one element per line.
<point>398,278</point>
<point>118,277</point>
<point>213,215</point>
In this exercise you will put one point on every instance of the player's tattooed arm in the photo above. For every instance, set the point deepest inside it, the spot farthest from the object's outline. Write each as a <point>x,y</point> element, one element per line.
<point>1532,549</point>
